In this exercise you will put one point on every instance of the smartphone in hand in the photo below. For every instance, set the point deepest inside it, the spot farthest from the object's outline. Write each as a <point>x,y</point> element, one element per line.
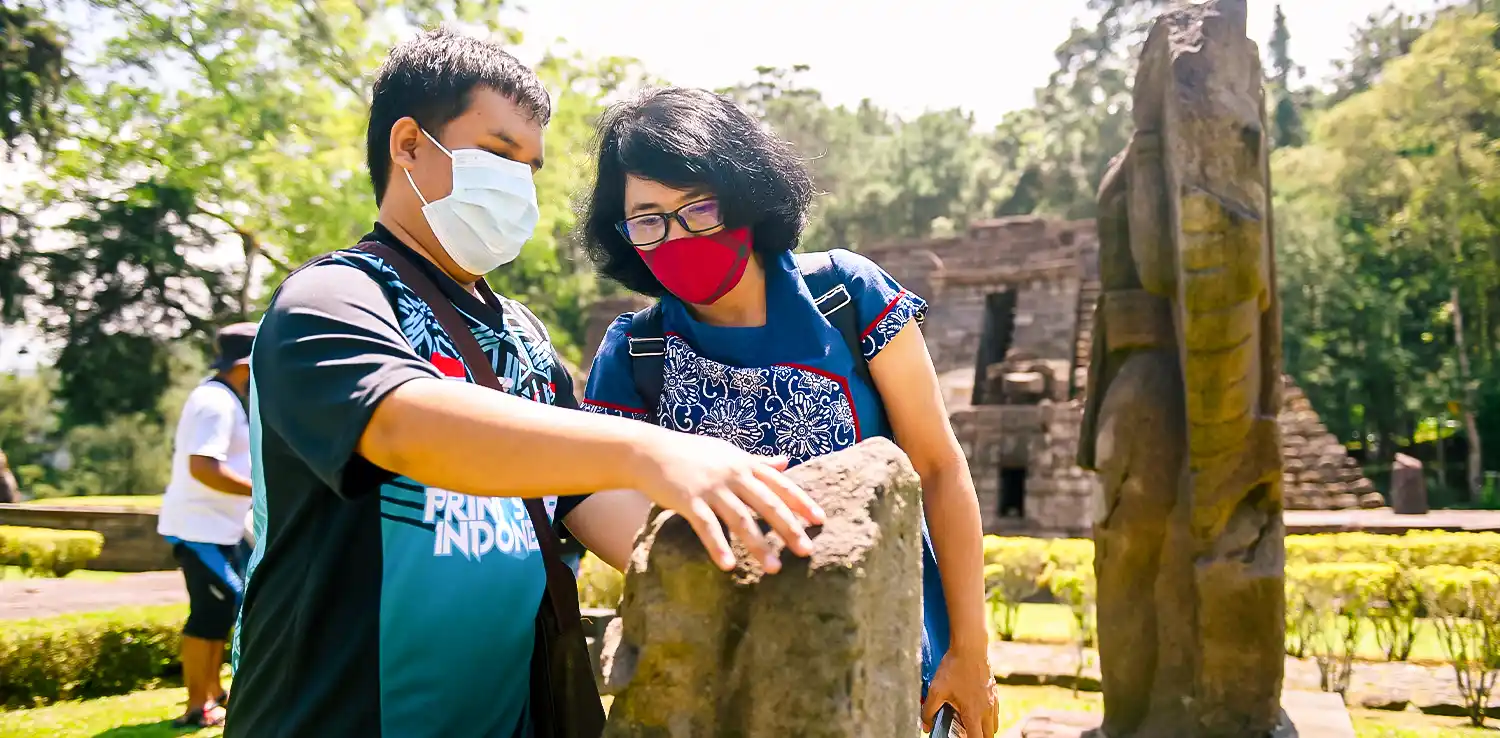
<point>946,724</point>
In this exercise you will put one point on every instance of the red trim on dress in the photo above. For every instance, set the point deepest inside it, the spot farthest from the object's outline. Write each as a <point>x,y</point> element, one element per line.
<point>843,382</point>
<point>614,407</point>
<point>887,311</point>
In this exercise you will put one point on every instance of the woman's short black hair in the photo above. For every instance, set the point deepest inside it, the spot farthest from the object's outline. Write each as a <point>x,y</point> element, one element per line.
<point>693,139</point>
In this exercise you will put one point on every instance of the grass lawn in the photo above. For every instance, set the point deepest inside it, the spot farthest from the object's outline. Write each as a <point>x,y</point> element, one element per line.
<point>1376,724</point>
<point>9,573</point>
<point>146,715</point>
<point>153,501</point>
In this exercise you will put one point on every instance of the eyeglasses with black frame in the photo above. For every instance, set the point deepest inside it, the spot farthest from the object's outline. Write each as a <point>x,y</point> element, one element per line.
<point>649,230</point>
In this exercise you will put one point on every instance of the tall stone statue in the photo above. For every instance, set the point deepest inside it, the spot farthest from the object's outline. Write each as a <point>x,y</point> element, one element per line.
<point>1180,421</point>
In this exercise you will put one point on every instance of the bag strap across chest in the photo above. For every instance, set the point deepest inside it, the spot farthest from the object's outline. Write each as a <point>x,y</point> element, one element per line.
<point>561,585</point>
<point>648,342</point>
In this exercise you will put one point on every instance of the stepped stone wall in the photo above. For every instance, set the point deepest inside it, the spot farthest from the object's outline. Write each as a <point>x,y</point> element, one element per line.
<point>1318,473</point>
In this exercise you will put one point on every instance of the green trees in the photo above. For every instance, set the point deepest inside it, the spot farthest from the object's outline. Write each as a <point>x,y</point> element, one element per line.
<point>1390,247</point>
<point>167,204</point>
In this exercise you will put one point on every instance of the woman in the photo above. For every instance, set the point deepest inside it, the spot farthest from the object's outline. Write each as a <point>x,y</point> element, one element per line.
<point>698,205</point>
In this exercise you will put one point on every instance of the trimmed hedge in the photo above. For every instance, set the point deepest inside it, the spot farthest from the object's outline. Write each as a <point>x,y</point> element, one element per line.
<point>1414,550</point>
<point>1381,575</point>
<point>88,655</point>
<point>1464,604</point>
<point>47,552</point>
<point>1014,570</point>
<point>98,654</point>
<point>1022,557</point>
<point>599,585</point>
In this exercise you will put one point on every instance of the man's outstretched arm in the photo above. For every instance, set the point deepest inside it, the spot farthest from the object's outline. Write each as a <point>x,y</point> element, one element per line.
<point>333,375</point>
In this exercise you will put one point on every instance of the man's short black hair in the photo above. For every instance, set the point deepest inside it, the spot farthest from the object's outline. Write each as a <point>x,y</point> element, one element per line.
<point>430,78</point>
<point>693,139</point>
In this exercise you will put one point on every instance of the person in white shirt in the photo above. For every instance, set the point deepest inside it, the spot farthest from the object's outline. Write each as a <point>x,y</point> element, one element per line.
<point>203,516</point>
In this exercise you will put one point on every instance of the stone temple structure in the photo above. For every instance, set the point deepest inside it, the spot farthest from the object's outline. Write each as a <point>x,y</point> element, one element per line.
<point>1010,330</point>
<point>1010,327</point>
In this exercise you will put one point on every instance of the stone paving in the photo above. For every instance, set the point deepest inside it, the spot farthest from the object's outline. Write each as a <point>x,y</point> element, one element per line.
<point>39,598</point>
<point>1385,520</point>
<point>1381,686</point>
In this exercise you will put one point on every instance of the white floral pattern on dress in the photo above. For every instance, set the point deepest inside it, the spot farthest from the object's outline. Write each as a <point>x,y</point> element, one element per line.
<point>777,410</point>
<point>804,426</point>
<point>684,391</point>
<point>618,412</point>
<point>905,308</point>
<point>733,419</point>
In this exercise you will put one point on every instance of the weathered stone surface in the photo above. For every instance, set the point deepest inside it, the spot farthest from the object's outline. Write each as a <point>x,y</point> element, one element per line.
<point>825,648</point>
<point>1408,487</point>
<point>1183,396</point>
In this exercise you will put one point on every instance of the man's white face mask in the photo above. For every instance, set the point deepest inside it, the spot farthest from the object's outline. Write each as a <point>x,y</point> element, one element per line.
<point>490,214</point>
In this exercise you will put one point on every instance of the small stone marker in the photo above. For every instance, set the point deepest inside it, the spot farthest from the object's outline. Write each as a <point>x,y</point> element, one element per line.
<point>827,648</point>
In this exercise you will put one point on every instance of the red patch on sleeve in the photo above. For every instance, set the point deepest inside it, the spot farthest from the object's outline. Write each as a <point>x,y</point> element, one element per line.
<point>448,366</point>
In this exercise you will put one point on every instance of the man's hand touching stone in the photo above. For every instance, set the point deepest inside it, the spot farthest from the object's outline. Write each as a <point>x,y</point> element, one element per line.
<point>706,480</point>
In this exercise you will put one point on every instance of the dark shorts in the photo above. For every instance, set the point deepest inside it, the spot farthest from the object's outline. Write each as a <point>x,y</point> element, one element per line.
<point>215,576</point>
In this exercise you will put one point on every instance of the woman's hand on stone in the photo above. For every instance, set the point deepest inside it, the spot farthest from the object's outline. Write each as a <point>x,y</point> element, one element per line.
<point>706,480</point>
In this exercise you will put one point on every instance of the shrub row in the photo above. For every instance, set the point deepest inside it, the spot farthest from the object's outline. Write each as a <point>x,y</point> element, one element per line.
<point>1330,604</point>
<point>1414,550</point>
<point>1015,569</point>
<point>599,585</point>
<point>88,655</point>
<point>47,552</point>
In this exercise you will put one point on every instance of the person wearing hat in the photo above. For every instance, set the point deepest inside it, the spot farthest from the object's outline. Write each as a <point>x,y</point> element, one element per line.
<point>203,517</point>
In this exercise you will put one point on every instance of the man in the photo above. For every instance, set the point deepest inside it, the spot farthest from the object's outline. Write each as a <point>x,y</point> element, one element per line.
<point>396,574</point>
<point>203,517</point>
<point>9,490</point>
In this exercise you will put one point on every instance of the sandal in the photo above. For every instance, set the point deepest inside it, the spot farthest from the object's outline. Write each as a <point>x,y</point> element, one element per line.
<point>200,718</point>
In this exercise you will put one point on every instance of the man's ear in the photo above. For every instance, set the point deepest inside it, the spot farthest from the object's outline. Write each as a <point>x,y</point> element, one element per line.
<point>406,136</point>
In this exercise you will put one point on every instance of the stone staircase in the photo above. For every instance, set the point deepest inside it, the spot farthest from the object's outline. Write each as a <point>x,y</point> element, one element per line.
<point>1088,297</point>
<point>1318,474</point>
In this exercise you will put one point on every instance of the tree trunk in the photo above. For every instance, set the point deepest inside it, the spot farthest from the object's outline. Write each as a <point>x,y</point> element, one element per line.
<point>1442,455</point>
<point>252,250</point>
<point>1474,473</point>
<point>9,490</point>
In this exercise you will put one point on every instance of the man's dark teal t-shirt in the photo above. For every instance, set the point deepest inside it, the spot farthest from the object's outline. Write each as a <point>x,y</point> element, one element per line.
<point>377,605</point>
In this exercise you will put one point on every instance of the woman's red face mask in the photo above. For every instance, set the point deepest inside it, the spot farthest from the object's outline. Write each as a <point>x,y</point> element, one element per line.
<point>700,269</point>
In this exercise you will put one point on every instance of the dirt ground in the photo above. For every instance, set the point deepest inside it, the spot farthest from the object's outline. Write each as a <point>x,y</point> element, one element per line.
<point>38,598</point>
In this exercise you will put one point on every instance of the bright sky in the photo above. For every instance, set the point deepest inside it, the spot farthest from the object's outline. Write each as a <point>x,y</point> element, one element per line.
<point>986,56</point>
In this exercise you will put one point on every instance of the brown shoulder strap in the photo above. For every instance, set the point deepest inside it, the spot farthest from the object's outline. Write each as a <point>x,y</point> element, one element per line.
<point>561,586</point>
